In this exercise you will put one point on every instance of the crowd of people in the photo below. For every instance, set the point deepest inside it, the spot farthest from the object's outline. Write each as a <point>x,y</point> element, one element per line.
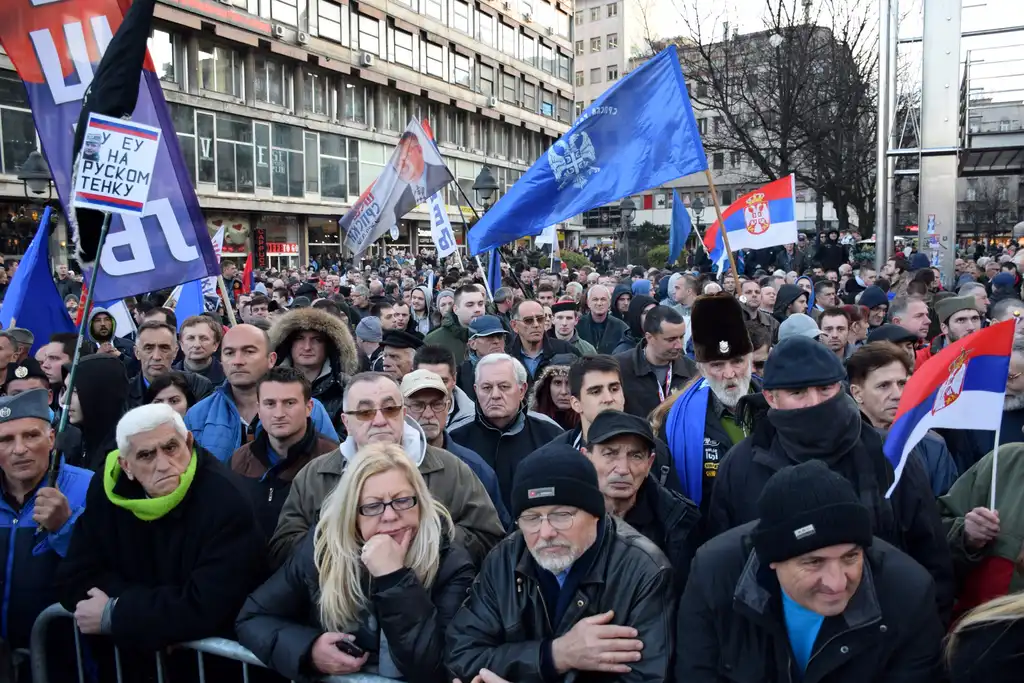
<point>617,471</point>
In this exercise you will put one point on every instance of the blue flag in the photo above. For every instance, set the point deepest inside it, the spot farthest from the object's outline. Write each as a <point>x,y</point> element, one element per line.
<point>679,230</point>
<point>190,301</point>
<point>32,300</point>
<point>494,272</point>
<point>639,134</point>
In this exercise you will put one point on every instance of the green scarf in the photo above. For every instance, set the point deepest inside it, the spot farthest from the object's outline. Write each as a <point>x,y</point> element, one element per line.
<point>146,509</point>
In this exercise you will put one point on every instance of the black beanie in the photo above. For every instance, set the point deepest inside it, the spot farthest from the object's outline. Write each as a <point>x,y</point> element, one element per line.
<point>800,362</point>
<point>805,508</point>
<point>556,474</point>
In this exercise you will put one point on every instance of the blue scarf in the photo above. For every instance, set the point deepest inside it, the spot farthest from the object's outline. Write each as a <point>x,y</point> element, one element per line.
<point>684,431</point>
<point>810,296</point>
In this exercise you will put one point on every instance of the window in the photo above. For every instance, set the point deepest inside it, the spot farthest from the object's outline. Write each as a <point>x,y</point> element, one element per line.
<point>369,34</point>
<point>16,126</point>
<point>165,50</point>
<point>580,106</point>
<point>182,117</point>
<point>702,126</point>
<point>529,97</point>
<point>718,125</point>
<point>333,166</point>
<point>508,87</point>
<point>595,44</point>
<point>719,161</point>
<point>734,159</point>
<point>435,60</point>
<point>613,9</point>
<point>613,40</point>
<point>476,138</point>
<point>595,13</point>
<point>485,29</point>
<point>205,138</point>
<point>613,72</point>
<point>285,11</point>
<point>508,40</point>
<point>579,18</point>
<point>579,79</point>
<point>595,75</point>
<point>262,135</point>
<point>329,25</point>
<point>433,8</point>
<point>273,82</point>
<point>547,103</point>
<point>234,154</point>
<point>460,16</point>
<point>460,70</point>
<point>579,47</point>
<point>972,194</point>
<point>1004,125</point>
<point>312,147</point>
<point>287,163</point>
<point>563,109</point>
<point>547,59</point>
<point>1002,193</point>
<point>528,51</point>
<point>403,47</point>
<point>314,93</point>
<point>395,115</point>
<point>354,107</point>
<point>726,197</point>
<point>220,70</point>
<point>564,67</point>
<point>486,80</point>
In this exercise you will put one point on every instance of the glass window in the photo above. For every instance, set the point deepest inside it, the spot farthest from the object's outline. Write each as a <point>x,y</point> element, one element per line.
<point>547,106</point>
<point>486,80</point>
<point>719,160</point>
<point>613,40</point>
<point>485,29</point>
<point>580,106</point>
<point>547,58</point>
<point>434,8</point>
<point>613,9</point>
<point>273,82</point>
<point>595,75</point>
<point>508,87</point>
<point>330,20</point>
<point>460,16</point>
<point>285,11</point>
<point>314,93</point>
<point>435,60</point>
<point>369,34</point>
<point>595,13</point>
<point>205,138</point>
<point>333,166</point>
<point>564,22</point>
<point>508,40</point>
<point>613,72</point>
<point>563,109</point>
<point>393,119</point>
<point>595,44</point>
<point>19,138</point>
<point>355,96</point>
<point>528,49</point>
<point>564,67</point>
<point>287,161</point>
<point>12,90</point>
<point>184,122</point>
<point>234,154</point>
<point>371,162</point>
<point>579,47</point>
<point>476,137</point>
<point>579,17</point>
<point>460,70</point>
<point>162,48</point>
<point>529,96</point>
<point>312,162</point>
<point>220,69</point>
<point>403,47</point>
<point>579,79</point>
<point>262,136</point>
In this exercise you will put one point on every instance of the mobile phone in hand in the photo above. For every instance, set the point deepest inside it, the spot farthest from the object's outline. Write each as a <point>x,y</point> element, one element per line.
<point>350,648</point>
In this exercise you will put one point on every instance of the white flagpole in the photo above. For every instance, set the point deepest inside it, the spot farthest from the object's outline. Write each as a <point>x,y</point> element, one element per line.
<point>995,470</point>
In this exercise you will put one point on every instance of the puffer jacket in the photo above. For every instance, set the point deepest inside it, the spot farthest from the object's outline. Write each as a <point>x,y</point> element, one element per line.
<point>450,335</point>
<point>280,621</point>
<point>731,613</point>
<point>342,356</point>
<point>504,624</point>
<point>217,426</point>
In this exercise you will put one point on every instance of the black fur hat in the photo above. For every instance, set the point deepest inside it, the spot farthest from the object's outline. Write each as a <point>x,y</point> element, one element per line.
<point>718,329</point>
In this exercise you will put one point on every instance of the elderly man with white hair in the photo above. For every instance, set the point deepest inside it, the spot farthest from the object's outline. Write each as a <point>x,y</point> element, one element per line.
<point>598,327</point>
<point>168,547</point>
<point>503,432</point>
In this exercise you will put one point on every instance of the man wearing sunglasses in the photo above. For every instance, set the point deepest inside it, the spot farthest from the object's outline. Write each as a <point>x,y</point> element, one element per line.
<point>374,412</point>
<point>530,345</point>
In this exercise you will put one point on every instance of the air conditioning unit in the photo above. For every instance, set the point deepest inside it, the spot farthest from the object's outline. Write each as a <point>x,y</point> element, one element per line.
<point>366,59</point>
<point>303,38</point>
<point>278,31</point>
<point>492,101</point>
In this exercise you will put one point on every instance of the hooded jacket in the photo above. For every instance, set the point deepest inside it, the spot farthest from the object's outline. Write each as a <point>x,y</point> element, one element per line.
<point>425,324</point>
<point>463,410</point>
<point>539,399</point>
<point>784,299</point>
<point>635,334</point>
<point>620,290</point>
<point>342,358</point>
<point>451,481</point>
<point>123,345</point>
<point>102,389</point>
<point>451,335</point>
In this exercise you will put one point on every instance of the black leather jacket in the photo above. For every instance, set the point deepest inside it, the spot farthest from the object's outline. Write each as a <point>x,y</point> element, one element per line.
<point>504,625</point>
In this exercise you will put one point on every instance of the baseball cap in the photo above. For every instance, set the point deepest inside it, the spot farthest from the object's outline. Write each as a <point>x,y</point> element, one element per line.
<point>421,379</point>
<point>891,333</point>
<point>486,326</point>
<point>612,423</point>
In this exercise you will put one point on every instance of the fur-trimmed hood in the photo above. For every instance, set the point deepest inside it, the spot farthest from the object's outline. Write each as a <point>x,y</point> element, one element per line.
<point>342,348</point>
<point>540,385</point>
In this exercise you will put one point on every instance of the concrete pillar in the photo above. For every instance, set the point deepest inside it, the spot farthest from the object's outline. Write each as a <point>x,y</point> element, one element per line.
<point>192,47</point>
<point>940,105</point>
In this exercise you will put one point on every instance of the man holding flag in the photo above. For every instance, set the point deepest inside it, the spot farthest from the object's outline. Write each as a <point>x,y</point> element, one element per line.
<point>812,418</point>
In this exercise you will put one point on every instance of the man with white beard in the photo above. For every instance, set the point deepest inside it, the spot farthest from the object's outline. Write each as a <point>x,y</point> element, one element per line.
<point>704,422</point>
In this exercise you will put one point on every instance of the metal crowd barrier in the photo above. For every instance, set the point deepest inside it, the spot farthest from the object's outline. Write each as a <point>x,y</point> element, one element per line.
<point>215,647</point>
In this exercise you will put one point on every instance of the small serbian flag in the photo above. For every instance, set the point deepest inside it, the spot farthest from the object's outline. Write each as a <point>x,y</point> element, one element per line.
<point>248,279</point>
<point>763,218</point>
<point>963,385</point>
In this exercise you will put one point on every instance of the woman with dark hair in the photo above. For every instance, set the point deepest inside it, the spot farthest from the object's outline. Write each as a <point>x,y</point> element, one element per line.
<point>172,389</point>
<point>550,393</point>
<point>638,308</point>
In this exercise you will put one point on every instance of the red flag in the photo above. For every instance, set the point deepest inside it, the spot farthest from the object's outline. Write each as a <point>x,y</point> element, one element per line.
<point>247,275</point>
<point>81,304</point>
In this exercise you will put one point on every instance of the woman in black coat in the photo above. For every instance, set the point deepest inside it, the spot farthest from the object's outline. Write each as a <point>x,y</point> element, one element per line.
<point>372,587</point>
<point>987,645</point>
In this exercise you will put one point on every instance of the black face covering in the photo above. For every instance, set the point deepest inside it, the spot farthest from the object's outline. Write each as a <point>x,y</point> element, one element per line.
<point>827,431</point>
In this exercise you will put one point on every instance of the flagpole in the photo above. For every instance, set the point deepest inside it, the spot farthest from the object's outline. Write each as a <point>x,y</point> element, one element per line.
<point>90,295</point>
<point>227,302</point>
<point>721,226</point>
<point>995,470</point>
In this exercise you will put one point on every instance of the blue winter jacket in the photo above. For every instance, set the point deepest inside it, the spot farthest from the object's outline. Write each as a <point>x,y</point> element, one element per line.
<point>216,424</point>
<point>31,557</point>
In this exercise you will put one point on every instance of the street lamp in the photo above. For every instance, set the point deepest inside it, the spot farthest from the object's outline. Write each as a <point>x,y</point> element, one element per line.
<point>485,185</point>
<point>627,211</point>
<point>36,178</point>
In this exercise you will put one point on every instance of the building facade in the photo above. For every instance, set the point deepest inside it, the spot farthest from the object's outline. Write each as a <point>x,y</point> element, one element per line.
<point>285,110</point>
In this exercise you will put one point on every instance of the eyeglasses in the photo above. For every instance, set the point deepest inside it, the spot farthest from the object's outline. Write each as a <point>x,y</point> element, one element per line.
<point>438,407</point>
<point>367,414</point>
<point>560,521</point>
<point>398,505</point>
<point>533,320</point>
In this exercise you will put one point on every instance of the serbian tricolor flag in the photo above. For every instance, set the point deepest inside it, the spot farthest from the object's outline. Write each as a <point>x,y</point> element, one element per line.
<point>248,281</point>
<point>763,218</point>
<point>962,386</point>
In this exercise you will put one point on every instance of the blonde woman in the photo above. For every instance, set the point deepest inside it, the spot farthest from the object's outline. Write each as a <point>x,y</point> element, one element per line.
<point>373,585</point>
<point>987,645</point>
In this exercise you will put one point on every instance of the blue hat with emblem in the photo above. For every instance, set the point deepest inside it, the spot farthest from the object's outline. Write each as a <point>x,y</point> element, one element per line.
<point>34,403</point>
